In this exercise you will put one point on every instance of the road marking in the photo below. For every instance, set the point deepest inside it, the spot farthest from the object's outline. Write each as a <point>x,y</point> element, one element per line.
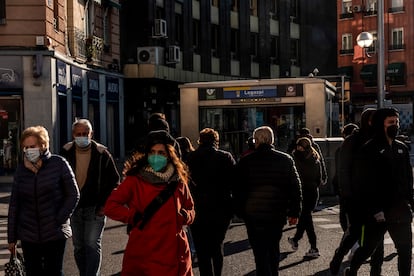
<point>329,226</point>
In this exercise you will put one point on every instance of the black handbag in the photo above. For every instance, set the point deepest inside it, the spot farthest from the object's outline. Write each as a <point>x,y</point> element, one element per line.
<point>15,266</point>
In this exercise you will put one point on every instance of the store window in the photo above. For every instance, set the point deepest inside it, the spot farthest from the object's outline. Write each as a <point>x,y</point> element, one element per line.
<point>10,123</point>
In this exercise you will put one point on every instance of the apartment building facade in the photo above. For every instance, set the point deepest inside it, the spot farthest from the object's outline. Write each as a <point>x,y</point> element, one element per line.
<point>168,43</point>
<point>356,16</point>
<point>59,60</point>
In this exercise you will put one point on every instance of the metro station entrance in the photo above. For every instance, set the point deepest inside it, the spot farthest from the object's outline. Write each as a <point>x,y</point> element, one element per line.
<point>236,124</point>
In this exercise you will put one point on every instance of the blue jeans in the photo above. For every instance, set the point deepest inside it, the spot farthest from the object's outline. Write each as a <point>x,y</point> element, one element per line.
<point>87,231</point>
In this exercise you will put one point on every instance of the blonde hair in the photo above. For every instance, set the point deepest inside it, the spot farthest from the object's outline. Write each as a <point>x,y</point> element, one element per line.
<point>39,132</point>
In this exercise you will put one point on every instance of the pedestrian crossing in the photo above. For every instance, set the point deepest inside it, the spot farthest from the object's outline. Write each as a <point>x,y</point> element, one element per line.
<point>324,223</point>
<point>4,251</point>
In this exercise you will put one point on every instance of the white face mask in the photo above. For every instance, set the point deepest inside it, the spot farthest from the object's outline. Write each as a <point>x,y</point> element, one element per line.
<point>32,154</point>
<point>82,141</point>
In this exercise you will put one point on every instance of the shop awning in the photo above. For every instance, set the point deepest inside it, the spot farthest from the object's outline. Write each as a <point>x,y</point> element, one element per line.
<point>346,70</point>
<point>368,72</point>
<point>396,69</point>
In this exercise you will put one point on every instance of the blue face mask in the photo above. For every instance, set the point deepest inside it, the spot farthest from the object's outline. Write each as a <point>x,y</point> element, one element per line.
<point>82,141</point>
<point>157,162</point>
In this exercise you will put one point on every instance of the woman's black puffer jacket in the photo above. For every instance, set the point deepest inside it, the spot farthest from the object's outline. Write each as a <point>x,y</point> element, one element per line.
<point>41,204</point>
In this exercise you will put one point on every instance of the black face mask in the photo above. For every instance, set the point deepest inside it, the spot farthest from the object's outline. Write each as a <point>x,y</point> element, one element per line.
<point>392,131</point>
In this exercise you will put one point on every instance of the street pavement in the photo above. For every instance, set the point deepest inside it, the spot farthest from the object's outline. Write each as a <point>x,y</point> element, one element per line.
<point>238,254</point>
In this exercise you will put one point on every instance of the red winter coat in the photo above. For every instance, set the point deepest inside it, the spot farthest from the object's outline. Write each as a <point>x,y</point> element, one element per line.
<point>161,247</point>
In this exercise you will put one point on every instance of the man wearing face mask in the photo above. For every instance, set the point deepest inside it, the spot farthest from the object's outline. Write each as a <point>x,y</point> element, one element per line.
<point>96,175</point>
<point>387,190</point>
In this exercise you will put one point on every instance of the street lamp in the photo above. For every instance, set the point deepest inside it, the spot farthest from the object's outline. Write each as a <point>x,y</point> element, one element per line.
<point>365,40</point>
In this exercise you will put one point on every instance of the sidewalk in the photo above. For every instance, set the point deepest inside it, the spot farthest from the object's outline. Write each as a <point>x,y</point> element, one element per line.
<point>5,189</point>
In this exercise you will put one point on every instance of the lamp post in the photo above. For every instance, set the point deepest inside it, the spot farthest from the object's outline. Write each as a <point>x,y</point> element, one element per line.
<point>365,40</point>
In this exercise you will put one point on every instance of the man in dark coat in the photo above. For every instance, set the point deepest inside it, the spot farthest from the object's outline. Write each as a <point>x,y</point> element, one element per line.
<point>349,176</point>
<point>268,193</point>
<point>211,170</point>
<point>387,190</point>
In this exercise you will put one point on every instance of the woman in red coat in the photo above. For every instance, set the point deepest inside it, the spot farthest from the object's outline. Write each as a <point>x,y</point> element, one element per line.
<point>158,246</point>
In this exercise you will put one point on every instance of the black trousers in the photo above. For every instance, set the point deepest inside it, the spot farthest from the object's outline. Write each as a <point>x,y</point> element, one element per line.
<point>208,237</point>
<point>265,243</point>
<point>373,234</point>
<point>352,235</point>
<point>44,258</point>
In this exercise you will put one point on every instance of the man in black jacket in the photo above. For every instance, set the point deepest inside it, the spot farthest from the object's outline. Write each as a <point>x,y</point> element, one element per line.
<point>212,174</point>
<point>350,167</point>
<point>268,193</point>
<point>96,175</point>
<point>387,190</point>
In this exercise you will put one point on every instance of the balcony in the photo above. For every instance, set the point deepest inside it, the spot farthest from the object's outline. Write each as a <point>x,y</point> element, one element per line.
<point>86,49</point>
<point>346,15</point>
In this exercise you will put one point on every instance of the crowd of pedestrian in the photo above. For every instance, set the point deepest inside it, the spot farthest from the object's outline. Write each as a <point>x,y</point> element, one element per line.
<point>178,200</point>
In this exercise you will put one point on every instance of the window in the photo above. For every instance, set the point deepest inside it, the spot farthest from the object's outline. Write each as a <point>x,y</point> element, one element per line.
<point>396,6</point>
<point>294,8</point>
<point>294,52</point>
<point>196,36</point>
<point>347,43</point>
<point>89,22</point>
<point>234,5</point>
<point>397,3</point>
<point>106,24</point>
<point>253,7</point>
<point>373,47</point>
<point>347,6</point>
<point>234,45</point>
<point>254,45</point>
<point>273,9</point>
<point>371,5</point>
<point>56,15</point>
<point>2,11</point>
<point>274,50</point>
<point>178,29</point>
<point>397,39</point>
<point>214,40</point>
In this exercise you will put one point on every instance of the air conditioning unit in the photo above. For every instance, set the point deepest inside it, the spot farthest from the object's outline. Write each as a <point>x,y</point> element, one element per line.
<point>357,8</point>
<point>160,28</point>
<point>150,55</point>
<point>173,54</point>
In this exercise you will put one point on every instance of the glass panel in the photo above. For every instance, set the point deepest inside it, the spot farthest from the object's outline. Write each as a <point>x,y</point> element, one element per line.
<point>235,125</point>
<point>10,122</point>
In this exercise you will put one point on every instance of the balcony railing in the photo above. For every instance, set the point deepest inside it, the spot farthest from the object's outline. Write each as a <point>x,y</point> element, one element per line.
<point>396,9</point>
<point>346,51</point>
<point>396,47</point>
<point>84,48</point>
